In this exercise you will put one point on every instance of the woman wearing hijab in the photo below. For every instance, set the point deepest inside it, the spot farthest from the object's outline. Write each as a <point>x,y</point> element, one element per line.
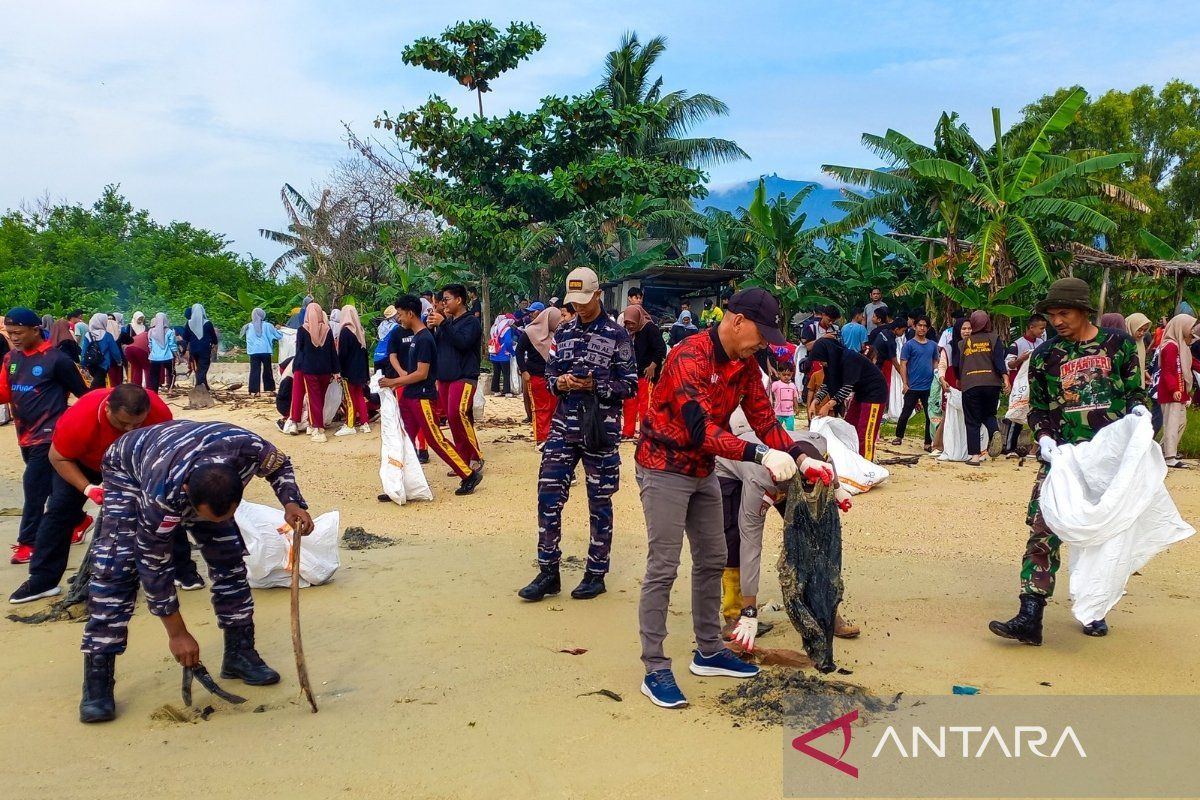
<point>137,352</point>
<point>532,350</point>
<point>47,324</point>
<point>116,322</point>
<point>982,375</point>
<point>101,357</point>
<point>682,328</point>
<point>335,324</point>
<point>1113,322</point>
<point>649,350</point>
<point>313,368</point>
<point>63,337</point>
<point>1137,326</point>
<point>260,337</point>
<point>500,351</point>
<point>160,343</point>
<point>200,339</point>
<point>352,364</point>
<point>1175,383</point>
<point>834,375</point>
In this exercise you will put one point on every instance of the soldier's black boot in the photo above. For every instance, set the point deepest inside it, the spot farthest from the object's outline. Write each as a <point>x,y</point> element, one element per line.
<point>1026,626</point>
<point>546,584</point>
<point>243,661</point>
<point>98,704</point>
<point>591,586</point>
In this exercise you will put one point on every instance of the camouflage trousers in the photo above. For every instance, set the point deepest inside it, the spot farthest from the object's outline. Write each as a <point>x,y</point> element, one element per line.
<point>1041,560</point>
<point>603,475</point>
<point>121,563</point>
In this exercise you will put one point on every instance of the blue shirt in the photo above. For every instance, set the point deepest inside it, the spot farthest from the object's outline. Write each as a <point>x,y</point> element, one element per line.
<point>261,344</point>
<point>854,336</point>
<point>919,359</point>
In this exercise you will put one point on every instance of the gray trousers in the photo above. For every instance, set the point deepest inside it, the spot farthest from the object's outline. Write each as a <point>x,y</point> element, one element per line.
<point>674,504</point>
<point>1173,425</point>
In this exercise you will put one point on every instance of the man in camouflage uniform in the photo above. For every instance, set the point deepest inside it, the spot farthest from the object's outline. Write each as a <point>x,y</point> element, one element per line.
<point>188,474</point>
<point>1079,382</point>
<point>591,369</point>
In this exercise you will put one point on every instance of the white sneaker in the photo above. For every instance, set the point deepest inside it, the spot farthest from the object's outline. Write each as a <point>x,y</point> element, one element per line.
<point>345,430</point>
<point>290,428</point>
<point>318,436</point>
<point>364,428</point>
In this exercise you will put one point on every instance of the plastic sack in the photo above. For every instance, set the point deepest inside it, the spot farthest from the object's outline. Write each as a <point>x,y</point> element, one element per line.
<point>5,414</point>
<point>856,474</point>
<point>1018,399</point>
<point>477,405</point>
<point>268,541</point>
<point>738,424</point>
<point>287,345</point>
<point>514,377</point>
<point>954,429</point>
<point>895,404</point>
<point>1106,498</point>
<point>333,401</point>
<point>399,471</point>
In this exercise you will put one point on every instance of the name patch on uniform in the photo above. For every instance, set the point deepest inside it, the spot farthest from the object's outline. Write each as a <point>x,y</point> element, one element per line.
<point>168,524</point>
<point>272,460</point>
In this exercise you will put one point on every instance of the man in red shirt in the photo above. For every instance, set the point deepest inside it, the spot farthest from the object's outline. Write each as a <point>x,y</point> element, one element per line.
<point>81,437</point>
<point>704,379</point>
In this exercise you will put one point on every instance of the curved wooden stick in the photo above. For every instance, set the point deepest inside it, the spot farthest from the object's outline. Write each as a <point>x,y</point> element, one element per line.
<point>297,644</point>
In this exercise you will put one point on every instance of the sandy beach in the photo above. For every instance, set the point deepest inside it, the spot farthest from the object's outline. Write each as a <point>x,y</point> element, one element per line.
<point>435,681</point>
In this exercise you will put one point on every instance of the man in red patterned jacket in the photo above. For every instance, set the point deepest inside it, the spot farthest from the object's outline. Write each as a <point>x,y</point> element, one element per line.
<point>704,379</point>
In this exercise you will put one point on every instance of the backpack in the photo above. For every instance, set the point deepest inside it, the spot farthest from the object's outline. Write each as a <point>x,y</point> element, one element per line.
<point>93,357</point>
<point>381,347</point>
<point>494,345</point>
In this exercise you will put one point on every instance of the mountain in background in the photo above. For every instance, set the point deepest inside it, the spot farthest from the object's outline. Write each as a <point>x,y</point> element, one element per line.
<point>818,205</point>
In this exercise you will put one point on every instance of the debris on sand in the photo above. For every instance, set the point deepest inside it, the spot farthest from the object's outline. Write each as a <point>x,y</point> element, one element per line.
<point>356,538</point>
<point>170,713</point>
<point>786,696</point>
<point>609,693</point>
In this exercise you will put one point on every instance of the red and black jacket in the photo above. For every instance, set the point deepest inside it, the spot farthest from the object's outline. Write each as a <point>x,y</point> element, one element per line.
<point>687,425</point>
<point>36,383</point>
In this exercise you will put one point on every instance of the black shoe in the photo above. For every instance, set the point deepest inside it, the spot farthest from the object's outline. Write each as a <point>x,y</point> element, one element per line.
<point>27,593</point>
<point>243,661</point>
<point>591,586</point>
<point>98,704</point>
<point>546,584</point>
<point>469,483</point>
<point>1026,626</point>
<point>1097,628</point>
<point>422,456</point>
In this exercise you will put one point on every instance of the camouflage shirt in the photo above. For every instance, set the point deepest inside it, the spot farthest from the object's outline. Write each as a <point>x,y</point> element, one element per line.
<point>1076,388</point>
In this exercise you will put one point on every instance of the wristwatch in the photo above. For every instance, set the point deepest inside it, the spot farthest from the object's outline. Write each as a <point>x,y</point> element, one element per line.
<point>760,452</point>
<point>750,611</point>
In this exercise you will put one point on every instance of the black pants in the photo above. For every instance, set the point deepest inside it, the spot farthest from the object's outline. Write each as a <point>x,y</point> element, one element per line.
<point>1013,437</point>
<point>53,546</point>
<point>159,374</point>
<point>911,398</point>
<point>36,483</point>
<point>261,373</point>
<point>203,362</point>
<point>501,376</point>
<point>980,404</point>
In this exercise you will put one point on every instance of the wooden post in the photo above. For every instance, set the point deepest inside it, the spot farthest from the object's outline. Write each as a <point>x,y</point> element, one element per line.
<point>1103,295</point>
<point>1178,292</point>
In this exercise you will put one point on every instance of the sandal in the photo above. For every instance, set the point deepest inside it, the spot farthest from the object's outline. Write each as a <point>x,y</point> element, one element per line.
<point>897,441</point>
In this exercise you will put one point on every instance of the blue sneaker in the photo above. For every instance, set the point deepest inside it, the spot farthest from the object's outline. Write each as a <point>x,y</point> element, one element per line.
<point>662,690</point>
<point>723,663</point>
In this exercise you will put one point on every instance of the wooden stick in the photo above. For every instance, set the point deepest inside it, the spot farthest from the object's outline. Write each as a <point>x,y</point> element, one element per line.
<point>297,644</point>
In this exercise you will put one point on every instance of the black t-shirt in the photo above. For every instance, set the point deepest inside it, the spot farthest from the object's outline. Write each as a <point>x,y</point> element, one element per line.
<point>421,350</point>
<point>398,342</point>
<point>883,344</point>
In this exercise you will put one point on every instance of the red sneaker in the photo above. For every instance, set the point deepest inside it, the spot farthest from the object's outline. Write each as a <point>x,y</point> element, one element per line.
<point>21,553</point>
<point>81,529</point>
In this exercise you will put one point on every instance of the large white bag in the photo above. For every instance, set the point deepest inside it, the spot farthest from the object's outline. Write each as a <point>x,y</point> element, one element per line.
<point>399,470</point>
<point>514,376</point>
<point>856,473</point>
<point>1018,399</point>
<point>477,405</point>
<point>895,406</point>
<point>268,541</point>
<point>954,429</point>
<point>1107,499</point>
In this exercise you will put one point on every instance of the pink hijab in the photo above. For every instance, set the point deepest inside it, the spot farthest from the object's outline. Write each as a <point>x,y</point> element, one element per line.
<point>541,330</point>
<point>316,323</point>
<point>351,321</point>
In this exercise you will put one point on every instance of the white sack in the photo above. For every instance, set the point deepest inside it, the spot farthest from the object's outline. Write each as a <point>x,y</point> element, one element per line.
<point>268,543</point>
<point>287,345</point>
<point>895,406</point>
<point>1106,498</point>
<point>1018,399</point>
<point>333,402</point>
<point>399,471</point>
<point>856,473</point>
<point>954,429</point>
<point>514,376</point>
<point>477,405</point>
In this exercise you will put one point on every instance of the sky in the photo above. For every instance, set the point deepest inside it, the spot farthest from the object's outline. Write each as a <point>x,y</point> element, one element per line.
<point>201,111</point>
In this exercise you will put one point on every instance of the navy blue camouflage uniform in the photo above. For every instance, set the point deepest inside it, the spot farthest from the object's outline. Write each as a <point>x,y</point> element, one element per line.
<point>602,349</point>
<point>144,502</point>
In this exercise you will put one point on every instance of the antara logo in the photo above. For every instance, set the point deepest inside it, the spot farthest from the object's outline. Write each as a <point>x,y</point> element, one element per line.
<point>841,723</point>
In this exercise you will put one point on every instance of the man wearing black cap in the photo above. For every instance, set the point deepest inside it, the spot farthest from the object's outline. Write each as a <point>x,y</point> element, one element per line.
<point>1106,363</point>
<point>35,378</point>
<point>705,378</point>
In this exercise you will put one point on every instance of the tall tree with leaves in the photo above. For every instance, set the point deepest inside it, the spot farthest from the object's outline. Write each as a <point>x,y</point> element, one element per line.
<point>475,53</point>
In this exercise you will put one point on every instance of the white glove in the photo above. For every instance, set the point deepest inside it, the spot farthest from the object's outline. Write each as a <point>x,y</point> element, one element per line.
<point>1047,448</point>
<point>745,631</point>
<point>816,470</point>
<point>95,494</point>
<point>842,498</point>
<point>1140,411</point>
<point>781,466</point>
